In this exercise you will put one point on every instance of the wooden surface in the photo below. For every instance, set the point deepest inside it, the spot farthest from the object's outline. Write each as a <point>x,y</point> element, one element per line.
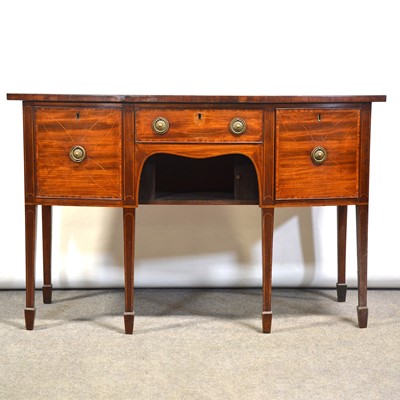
<point>30,256</point>
<point>198,161</point>
<point>99,132</point>
<point>29,154</point>
<point>199,126</point>
<point>267,232</point>
<point>47,247</point>
<point>341,286</point>
<point>194,99</point>
<point>362,263</point>
<point>129,257</point>
<point>298,132</point>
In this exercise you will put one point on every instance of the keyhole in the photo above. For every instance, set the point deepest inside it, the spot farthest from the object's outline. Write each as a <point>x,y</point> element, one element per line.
<point>78,115</point>
<point>319,117</point>
<point>199,116</point>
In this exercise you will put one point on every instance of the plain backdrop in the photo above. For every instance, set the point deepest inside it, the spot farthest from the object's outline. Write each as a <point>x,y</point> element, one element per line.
<point>201,47</point>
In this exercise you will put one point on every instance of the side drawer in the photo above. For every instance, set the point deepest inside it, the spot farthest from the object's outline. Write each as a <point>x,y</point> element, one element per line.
<point>317,153</point>
<point>199,125</point>
<point>78,152</point>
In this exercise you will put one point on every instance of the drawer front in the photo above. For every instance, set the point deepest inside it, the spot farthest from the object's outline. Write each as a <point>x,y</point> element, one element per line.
<point>78,152</point>
<point>199,125</point>
<point>317,153</point>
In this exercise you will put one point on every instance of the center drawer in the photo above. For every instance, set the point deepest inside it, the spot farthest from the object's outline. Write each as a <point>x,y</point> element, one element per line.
<point>199,125</point>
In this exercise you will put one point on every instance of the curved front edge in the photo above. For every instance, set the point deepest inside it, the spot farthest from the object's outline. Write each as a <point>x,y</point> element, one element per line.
<point>253,152</point>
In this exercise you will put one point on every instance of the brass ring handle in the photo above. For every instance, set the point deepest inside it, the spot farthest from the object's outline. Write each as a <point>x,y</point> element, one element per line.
<point>318,155</point>
<point>160,125</point>
<point>237,126</point>
<point>77,154</point>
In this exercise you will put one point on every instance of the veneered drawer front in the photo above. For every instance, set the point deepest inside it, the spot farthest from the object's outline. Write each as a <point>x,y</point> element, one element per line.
<point>334,133</point>
<point>199,125</point>
<point>98,132</point>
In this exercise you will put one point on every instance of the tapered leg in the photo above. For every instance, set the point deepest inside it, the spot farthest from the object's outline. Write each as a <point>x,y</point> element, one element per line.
<point>362,259</point>
<point>46,230</point>
<point>267,243</point>
<point>30,247</point>
<point>129,257</point>
<point>341,286</point>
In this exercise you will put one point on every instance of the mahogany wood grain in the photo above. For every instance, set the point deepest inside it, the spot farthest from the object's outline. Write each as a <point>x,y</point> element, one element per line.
<point>98,131</point>
<point>362,259</point>
<point>47,236</point>
<point>194,99</point>
<point>317,202</point>
<point>29,154</point>
<point>364,151</point>
<point>30,251</point>
<point>72,201</point>
<point>129,156</point>
<point>298,132</point>
<point>129,257</point>
<point>199,125</point>
<point>341,286</point>
<point>273,157</point>
<point>30,215</point>
<point>269,158</point>
<point>267,224</point>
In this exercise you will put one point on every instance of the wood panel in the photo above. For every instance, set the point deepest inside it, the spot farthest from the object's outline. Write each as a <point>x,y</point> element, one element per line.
<point>269,157</point>
<point>298,132</point>
<point>194,99</point>
<point>364,151</point>
<point>29,154</point>
<point>199,125</point>
<point>129,156</point>
<point>98,131</point>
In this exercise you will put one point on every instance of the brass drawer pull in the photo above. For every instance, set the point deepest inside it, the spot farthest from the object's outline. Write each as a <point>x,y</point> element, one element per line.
<point>160,125</point>
<point>237,126</point>
<point>77,154</point>
<point>318,155</point>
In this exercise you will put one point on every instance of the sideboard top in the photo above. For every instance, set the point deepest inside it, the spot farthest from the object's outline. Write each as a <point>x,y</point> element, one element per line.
<point>192,99</point>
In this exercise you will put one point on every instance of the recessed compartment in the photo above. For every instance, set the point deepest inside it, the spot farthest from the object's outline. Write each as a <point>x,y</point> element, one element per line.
<point>169,179</point>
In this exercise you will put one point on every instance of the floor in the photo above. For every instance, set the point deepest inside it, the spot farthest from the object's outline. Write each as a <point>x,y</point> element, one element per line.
<point>200,344</point>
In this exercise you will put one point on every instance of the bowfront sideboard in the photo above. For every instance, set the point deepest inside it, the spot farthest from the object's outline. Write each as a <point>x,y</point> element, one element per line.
<point>122,151</point>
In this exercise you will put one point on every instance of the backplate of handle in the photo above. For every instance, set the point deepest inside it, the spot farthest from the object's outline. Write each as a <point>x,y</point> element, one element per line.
<point>160,125</point>
<point>77,154</point>
<point>237,126</point>
<point>318,155</point>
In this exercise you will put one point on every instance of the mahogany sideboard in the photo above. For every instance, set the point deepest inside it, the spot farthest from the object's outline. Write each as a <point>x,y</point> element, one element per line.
<point>122,151</point>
